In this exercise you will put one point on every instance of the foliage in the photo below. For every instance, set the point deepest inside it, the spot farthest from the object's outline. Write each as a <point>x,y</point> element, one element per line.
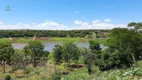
<point>127,42</point>
<point>6,51</point>
<point>19,73</point>
<point>7,77</point>
<point>56,76</point>
<point>93,57</point>
<point>28,69</point>
<point>18,61</point>
<point>121,74</point>
<point>94,46</point>
<point>51,56</point>
<point>57,54</point>
<point>70,52</point>
<point>137,26</point>
<point>35,50</point>
<point>124,49</point>
<point>48,33</point>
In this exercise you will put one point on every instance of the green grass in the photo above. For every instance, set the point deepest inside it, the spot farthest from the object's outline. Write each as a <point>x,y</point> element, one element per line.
<point>52,39</point>
<point>67,39</point>
<point>4,39</point>
<point>22,40</point>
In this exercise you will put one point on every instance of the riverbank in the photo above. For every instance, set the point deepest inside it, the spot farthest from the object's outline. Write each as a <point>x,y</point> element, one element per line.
<point>56,39</point>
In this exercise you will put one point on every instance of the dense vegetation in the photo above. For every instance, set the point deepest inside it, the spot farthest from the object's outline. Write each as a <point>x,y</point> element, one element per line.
<point>51,33</point>
<point>120,61</point>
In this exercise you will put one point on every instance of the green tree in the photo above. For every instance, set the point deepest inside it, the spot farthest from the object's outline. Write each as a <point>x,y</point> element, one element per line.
<point>58,54</point>
<point>6,51</point>
<point>89,60</point>
<point>93,57</point>
<point>137,26</point>
<point>18,61</point>
<point>36,50</point>
<point>94,46</point>
<point>70,52</point>
<point>127,42</point>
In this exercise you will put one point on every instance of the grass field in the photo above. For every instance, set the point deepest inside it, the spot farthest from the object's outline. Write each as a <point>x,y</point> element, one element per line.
<point>59,39</point>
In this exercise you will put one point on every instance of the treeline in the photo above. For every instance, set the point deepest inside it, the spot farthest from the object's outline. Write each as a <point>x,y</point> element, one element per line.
<point>51,33</point>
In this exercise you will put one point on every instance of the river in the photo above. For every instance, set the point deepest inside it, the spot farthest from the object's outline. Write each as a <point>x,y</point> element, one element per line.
<point>50,45</point>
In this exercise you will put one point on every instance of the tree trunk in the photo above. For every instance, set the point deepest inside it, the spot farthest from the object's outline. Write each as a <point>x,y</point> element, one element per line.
<point>89,69</point>
<point>34,64</point>
<point>134,60</point>
<point>4,67</point>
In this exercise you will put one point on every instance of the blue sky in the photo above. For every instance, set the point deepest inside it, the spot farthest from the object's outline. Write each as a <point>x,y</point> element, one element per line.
<point>69,14</point>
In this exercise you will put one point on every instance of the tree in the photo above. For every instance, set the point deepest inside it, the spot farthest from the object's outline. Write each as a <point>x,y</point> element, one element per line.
<point>93,57</point>
<point>6,51</point>
<point>44,57</point>
<point>36,50</point>
<point>58,54</point>
<point>94,46</point>
<point>48,33</point>
<point>88,60</point>
<point>137,26</point>
<point>70,52</point>
<point>18,61</point>
<point>128,43</point>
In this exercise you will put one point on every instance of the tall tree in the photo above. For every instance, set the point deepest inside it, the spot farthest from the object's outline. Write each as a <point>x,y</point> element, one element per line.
<point>58,54</point>
<point>92,57</point>
<point>70,52</point>
<point>88,60</point>
<point>35,49</point>
<point>127,42</point>
<point>6,51</point>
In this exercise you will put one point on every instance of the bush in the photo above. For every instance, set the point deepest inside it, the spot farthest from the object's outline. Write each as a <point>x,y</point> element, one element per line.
<point>50,61</point>
<point>19,73</point>
<point>7,77</point>
<point>51,56</point>
<point>56,76</point>
<point>29,69</point>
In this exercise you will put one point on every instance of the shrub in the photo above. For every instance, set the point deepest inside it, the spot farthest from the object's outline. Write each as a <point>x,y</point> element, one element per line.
<point>50,61</point>
<point>29,69</point>
<point>19,73</point>
<point>56,76</point>
<point>7,77</point>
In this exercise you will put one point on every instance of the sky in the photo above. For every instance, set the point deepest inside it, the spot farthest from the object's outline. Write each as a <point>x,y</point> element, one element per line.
<point>69,14</point>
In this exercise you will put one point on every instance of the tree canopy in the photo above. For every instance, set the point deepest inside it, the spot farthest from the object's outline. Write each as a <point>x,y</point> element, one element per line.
<point>51,33</point>
<point>6,51</point>
<point>36,50</point>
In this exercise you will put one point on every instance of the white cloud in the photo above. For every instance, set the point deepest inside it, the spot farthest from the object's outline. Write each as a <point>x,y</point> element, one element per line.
<point>96,24</point>
<point>51,25</point>
<point>77,12</point>
<point>47,25</point>
<point>96,21</point>
<point>107,20</point>
<point>78,22</point>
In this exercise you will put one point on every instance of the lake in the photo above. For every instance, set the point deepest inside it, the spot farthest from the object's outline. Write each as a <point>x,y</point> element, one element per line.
<point>50,45</point>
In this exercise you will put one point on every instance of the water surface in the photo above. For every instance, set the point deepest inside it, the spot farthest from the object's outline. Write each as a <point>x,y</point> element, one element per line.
<point>50,45</point>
